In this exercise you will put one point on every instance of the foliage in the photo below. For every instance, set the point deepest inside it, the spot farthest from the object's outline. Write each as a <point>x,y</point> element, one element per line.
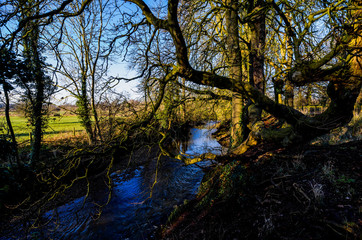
<point>8,67</point>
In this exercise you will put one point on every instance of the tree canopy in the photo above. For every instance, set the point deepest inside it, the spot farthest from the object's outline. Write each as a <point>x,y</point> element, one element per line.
<point>242,47</point>
<point>322,40</point>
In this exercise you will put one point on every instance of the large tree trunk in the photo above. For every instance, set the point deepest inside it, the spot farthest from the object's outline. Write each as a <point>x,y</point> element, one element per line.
<point>289,87</point>
<point>35,67</point>
<point>235,70</point>
<point>38,104</point>
<point>257,45</point>
<point>256,60</point>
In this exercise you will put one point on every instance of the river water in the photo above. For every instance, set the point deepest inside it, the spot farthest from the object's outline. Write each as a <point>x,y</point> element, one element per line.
<point>135,208</point>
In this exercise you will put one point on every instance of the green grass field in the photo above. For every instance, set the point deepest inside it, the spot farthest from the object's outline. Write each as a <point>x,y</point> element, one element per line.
<point>57,127</point>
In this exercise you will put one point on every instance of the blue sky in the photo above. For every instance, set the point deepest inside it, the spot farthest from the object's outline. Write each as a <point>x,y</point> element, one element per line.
<point>117,69</point>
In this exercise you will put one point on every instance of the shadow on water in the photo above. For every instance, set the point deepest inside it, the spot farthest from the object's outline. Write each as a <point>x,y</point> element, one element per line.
<point>133,212</point>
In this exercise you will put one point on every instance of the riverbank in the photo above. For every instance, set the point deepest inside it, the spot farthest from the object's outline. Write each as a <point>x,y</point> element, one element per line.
<point>308,192</point>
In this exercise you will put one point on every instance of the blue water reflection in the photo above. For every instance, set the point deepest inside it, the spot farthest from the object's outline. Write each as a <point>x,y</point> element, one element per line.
<point>132,213</point>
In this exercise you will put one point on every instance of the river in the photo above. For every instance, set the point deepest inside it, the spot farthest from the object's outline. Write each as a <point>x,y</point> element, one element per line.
<point>132,211</point>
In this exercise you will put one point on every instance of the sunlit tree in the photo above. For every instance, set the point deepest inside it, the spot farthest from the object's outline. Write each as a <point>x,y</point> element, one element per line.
<point>82,50</point>
<point>332,60</point>
<point>36,84</point>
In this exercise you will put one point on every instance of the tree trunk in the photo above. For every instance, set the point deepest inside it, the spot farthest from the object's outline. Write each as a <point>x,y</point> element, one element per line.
<point>183,99</point>
<point>289,94</point>
<point>257,44</point>
<point>289,87</point>
<point>8,122</point>
<point>278,89</point>
<point>7,114</point>
<point>256,58</point>
<point>35,67</point>
<point>38,110</point>
<point>235,70</point>
<point>308,95</point>
<point>97,130</point>
<point>84,111</point>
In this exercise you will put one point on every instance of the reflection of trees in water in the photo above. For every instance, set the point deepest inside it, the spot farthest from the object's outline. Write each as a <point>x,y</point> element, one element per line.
<point>184,145</point>
<point>169,181</point>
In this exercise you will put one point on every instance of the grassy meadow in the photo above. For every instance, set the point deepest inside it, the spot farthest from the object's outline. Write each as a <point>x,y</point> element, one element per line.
<point>59,127</point>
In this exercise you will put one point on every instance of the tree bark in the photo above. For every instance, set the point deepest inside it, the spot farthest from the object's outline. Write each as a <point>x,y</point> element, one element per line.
<point>256,58</point>
<point>257,45</point>
<point>83,109</point>
<point>35,67</point>
<point>8,122</point>
<point>289,94</point>
<point>7,115</point>
<point>234,63</point>
<point>38,108</point>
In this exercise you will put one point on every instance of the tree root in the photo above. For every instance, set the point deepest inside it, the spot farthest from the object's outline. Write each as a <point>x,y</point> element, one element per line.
<point>284,136</point>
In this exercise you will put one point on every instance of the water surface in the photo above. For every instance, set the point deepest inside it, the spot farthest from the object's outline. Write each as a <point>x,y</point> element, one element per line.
<point>140,199</point>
